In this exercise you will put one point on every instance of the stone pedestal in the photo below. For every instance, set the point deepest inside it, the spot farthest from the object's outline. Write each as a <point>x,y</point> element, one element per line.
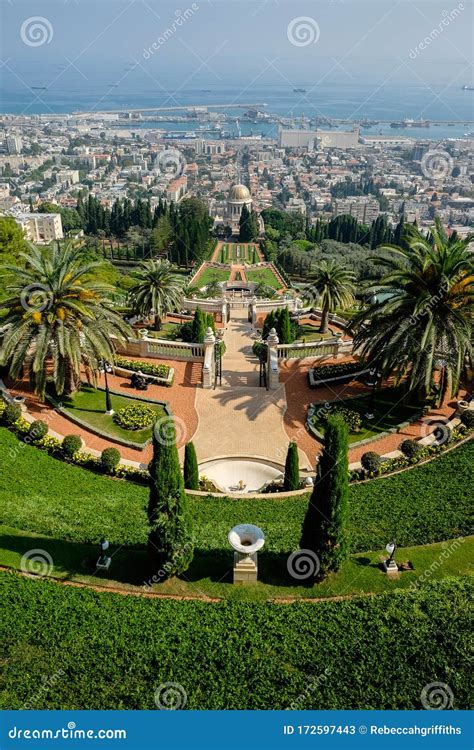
<point>103,563</point>
<point>273,378</point>
<point>245,568</point>
<point>208,370</point>
<point>390,567</point>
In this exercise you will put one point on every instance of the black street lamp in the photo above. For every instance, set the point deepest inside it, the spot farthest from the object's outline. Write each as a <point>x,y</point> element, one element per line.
<point>374,376</point>
<point>108,401</point>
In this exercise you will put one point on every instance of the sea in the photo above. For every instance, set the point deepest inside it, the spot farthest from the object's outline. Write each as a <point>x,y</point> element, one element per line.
<point>450,110</point>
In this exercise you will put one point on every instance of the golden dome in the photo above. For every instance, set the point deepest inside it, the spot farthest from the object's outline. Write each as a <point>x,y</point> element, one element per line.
<point>239,193</point>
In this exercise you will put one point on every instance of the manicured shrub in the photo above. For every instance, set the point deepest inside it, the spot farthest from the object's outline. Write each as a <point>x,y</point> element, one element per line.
<point>11,413</point>
<point>351,417</point>
<point>71,444</point>
<point>38,430</point>
<point>191,470</point>
<point>160,371</point>
<point>409,448</point>
<point>110,459</point>
<point>325,527</point>
<point>135,417</point>
<point>199,326</point>
<point>292,468</point>
<point>170,541</point>
<point>371,462</point>
<point>467,418</point>
<point>337,370</point>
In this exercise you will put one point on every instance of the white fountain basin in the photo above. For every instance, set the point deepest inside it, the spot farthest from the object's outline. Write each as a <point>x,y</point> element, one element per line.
<point>240,474</point>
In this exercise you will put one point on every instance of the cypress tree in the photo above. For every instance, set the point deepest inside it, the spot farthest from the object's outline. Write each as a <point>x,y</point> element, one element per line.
<point>245,229</point>
<point>292,468</point>
<point>325,525</point>
<point>170,540</point>
<point>191,471</point>
<point>285,327</point>
<point>199,326</point>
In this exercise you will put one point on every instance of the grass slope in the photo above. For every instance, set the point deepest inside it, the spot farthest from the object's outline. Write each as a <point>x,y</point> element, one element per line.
<point>426,504</point>
<point>112,652</point>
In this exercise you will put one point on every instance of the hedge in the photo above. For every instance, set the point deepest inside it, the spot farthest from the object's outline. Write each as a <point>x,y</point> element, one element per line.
<point>426,504</point>
<point>364,653</point>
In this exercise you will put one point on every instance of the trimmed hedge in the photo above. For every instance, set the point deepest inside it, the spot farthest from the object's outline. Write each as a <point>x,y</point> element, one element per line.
<point>159,371</point>
<point>364,653</point>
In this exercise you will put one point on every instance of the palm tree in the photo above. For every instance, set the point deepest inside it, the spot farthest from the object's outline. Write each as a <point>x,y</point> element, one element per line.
<point>264,290</point>
<point>419,321</point>
<point>213,289</point>
<point>156,289</point>
<point>334,284</point>
<point>59,318</point>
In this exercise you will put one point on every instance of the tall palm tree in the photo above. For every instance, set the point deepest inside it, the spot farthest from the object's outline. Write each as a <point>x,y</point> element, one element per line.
<point>59,318</point>
<point>264,290</point>
<point>419,321</point>
<point>213,290</point>
<point>156,289</point>
<point>334,284</point>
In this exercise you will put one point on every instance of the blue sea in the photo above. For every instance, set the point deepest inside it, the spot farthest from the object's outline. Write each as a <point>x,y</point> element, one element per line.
<point>355,102</point>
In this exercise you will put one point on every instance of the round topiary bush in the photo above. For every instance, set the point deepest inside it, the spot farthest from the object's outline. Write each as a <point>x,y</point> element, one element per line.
<point>70,445</point>
<point>467,418</point>
<point>352,418</point>
<point>409,448</point>
<point>38,430</point>
<point>371,461</point>
<point>135,417</point>
<point>11,413</point>
<point>110,459</point>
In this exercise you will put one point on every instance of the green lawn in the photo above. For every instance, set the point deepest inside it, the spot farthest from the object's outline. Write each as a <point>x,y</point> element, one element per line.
<point>88,405</point>
<point>263,276</point>
<point>168,331</point>
<point>311,333</point>
<point>209,274</point>
<point>114,651</point>
<point>388,411</point>
<point>429,503</point>
<point>237,252</point>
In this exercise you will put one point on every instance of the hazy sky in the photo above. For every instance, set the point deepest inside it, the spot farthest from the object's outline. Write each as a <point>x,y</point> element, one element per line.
<point>143,43</point>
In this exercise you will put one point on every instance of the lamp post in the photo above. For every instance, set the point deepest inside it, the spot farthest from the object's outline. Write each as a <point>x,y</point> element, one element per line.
<point>390,565</point>
<point>103,563</point>
<point>108,400</point>
<point>374,376</point>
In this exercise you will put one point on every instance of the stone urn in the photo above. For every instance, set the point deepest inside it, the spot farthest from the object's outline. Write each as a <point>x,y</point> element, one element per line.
<point>246,540</point>
<point>143,333</point>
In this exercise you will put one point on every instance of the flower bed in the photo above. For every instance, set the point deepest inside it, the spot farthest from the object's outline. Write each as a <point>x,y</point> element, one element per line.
<point>162,374</point>
<point>337,373</point>
<point>135,417</point>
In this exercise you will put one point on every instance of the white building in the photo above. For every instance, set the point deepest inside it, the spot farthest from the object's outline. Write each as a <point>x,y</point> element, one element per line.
<point>320,138</point>
<point>177,189</point>
<point>363,209</point>
<point>239,196</point>
<point>14,144</point>
<point>40,228</point>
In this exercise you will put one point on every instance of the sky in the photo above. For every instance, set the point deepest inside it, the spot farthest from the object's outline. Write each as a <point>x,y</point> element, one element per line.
<point>140,43</point>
